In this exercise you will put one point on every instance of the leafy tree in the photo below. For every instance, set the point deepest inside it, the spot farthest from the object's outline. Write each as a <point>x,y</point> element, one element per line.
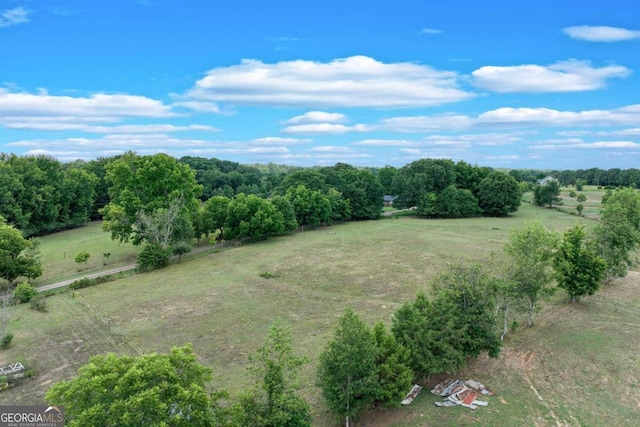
<point>285,207</point>
<point>429,332</point>
<point>579,208</point>
<point>347,370</point>
<point>252,217</point>
<point>578,269</point>
<point>465,290</point>
<point>274,401</point>
<point>385,176</point>
<point>311,206</point>
<point>394,374</point>
<point>548,194</point>
<point>530,251</point>
<point>360,187</point>
<point>581,198</point>
<point>216,214</point>
<point>417,179</point>
<point>153,389</point>
<point>499,194</point>
<point>450,203</point>
<point>580,183</point>
<point>82,257</point>
<point>142,185</point>
<point>19,257</point>
<point>616,236</point>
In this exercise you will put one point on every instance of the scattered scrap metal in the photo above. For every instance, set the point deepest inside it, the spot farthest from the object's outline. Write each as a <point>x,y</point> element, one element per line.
<point>411,395</point>
<point>463,393</point>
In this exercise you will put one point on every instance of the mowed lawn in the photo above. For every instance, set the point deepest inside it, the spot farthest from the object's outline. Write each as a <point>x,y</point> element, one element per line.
<point>224,302</point>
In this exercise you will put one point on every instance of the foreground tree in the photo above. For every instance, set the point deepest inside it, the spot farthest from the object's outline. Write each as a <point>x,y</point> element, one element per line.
<point>578,269</point>
<point>394,374</point>
<point>252,217</point>
<point>274,401</point>
<point>530,251</point>
<point>19,257</point>
<point>154,389</point>
<point>347,372</point>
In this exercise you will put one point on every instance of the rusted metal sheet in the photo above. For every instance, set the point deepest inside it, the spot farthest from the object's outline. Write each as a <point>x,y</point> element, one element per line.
<point>411,395</point>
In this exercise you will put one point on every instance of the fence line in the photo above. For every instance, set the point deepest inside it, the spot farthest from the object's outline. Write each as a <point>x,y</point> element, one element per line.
<point>107,323</point>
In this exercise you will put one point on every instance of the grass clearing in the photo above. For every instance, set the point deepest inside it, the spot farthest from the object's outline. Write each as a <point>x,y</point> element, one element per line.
<point>580,359</point>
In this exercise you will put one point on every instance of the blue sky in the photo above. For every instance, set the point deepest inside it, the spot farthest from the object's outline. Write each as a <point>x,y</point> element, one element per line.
<point>507,84</point>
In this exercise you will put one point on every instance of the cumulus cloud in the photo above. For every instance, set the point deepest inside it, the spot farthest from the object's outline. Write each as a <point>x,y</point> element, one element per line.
<point>357,81</point>
<point>563,76</point>
<point>600,33</point>
<point>97,107</point>
<point>35,124</point>
<point>199,106</point>
<point>18,15</point>
<point>317,117</point>
<point>271,140</point>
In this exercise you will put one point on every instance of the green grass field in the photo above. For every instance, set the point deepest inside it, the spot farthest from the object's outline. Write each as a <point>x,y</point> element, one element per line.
<point>578,366</point>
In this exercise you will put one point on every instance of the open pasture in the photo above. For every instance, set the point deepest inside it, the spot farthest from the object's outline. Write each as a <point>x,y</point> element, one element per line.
<point>579,359</point>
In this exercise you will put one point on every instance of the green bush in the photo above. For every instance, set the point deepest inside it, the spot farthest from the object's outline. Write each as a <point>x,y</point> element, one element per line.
<point>82,283</point>
<point>39,304</point>
<point>152,257</point>
<point>6,340</point>
<point>24,292</point>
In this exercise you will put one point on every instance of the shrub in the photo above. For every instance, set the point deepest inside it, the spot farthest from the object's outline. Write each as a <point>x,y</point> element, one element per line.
<point>572,193</point>
<point>24,292</point>
<point>6,340</point>
<point>82,283</point>
<point>39,304</point>
<point>152,257</point>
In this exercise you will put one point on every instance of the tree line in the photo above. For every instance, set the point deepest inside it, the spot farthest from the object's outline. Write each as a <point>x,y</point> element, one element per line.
<point>614,177</point>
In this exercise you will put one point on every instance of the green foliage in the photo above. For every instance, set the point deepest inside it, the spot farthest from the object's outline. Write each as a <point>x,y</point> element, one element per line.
<point>152,257</point>
<point>361,188</point>
<point>450,203</point>
<point>142,185</point>
<point>40,195</point>
<point>417,179</point>
<point>429,332</point>
<point>617,234</point>
<point>465,292</point>
<point>153,389</point>
<point>85,282</point>
<point>39,303</point>
<point>347,370</point>
<point>530,253</point>
<point>580,183</point>
<point>180,248</point>
<point>394,374</point>
<point>252,217</point>
<point>82,257</point>
<point>274,401</point>
<point>19,257</point>
<point>579,209</point>
<point>578,269</point>
<point>24,292</point>
<point>6,340</point>
<point>385,176</point>
<point>548,194</point>
<point>573,194</point>
<point>215,214</point>
<point>311,206</point>
<point>581,198</point>
<point>285,207</point>
<point>499,194</point>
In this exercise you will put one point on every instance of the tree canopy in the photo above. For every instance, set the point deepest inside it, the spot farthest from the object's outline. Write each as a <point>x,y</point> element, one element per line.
<point>19,257</point>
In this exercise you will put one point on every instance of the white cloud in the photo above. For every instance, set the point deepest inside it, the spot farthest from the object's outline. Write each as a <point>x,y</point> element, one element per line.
<point>563,76</point>
<point>316,117</point>
<point>18,15</point>
<point>575,143</point>
<point>97,107</point>
<point>425,123</point>
<point>357,81</point>
<point>323,128</point>
<point>36,124</point>
<point>269,140</point>
<point>386,142</point>
<point>548,117</point>
<point>430,31</point>
<point>200,106</point>
<point>600,33</point>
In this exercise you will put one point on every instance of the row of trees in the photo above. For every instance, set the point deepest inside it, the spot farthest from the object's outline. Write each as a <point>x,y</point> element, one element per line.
<point>594,176</point>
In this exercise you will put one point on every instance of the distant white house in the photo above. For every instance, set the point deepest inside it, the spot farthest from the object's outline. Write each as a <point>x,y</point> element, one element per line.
<point>546,180</point>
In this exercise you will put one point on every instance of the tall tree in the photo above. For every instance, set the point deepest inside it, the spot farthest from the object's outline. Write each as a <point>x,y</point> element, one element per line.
<point>617,233</point>
<point>547,194</point>
<point>417,179</point>
<point>499,194</point>
<point>578,269</point>
<point>142,185</point>
<point>153,389</point>
<point>530,250</point>
<point>311,206</point>
<point>394,374</point>
<point>274,401</point>
<point>347,372</point>
<point>252,217</point>
<point>19,257</point>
